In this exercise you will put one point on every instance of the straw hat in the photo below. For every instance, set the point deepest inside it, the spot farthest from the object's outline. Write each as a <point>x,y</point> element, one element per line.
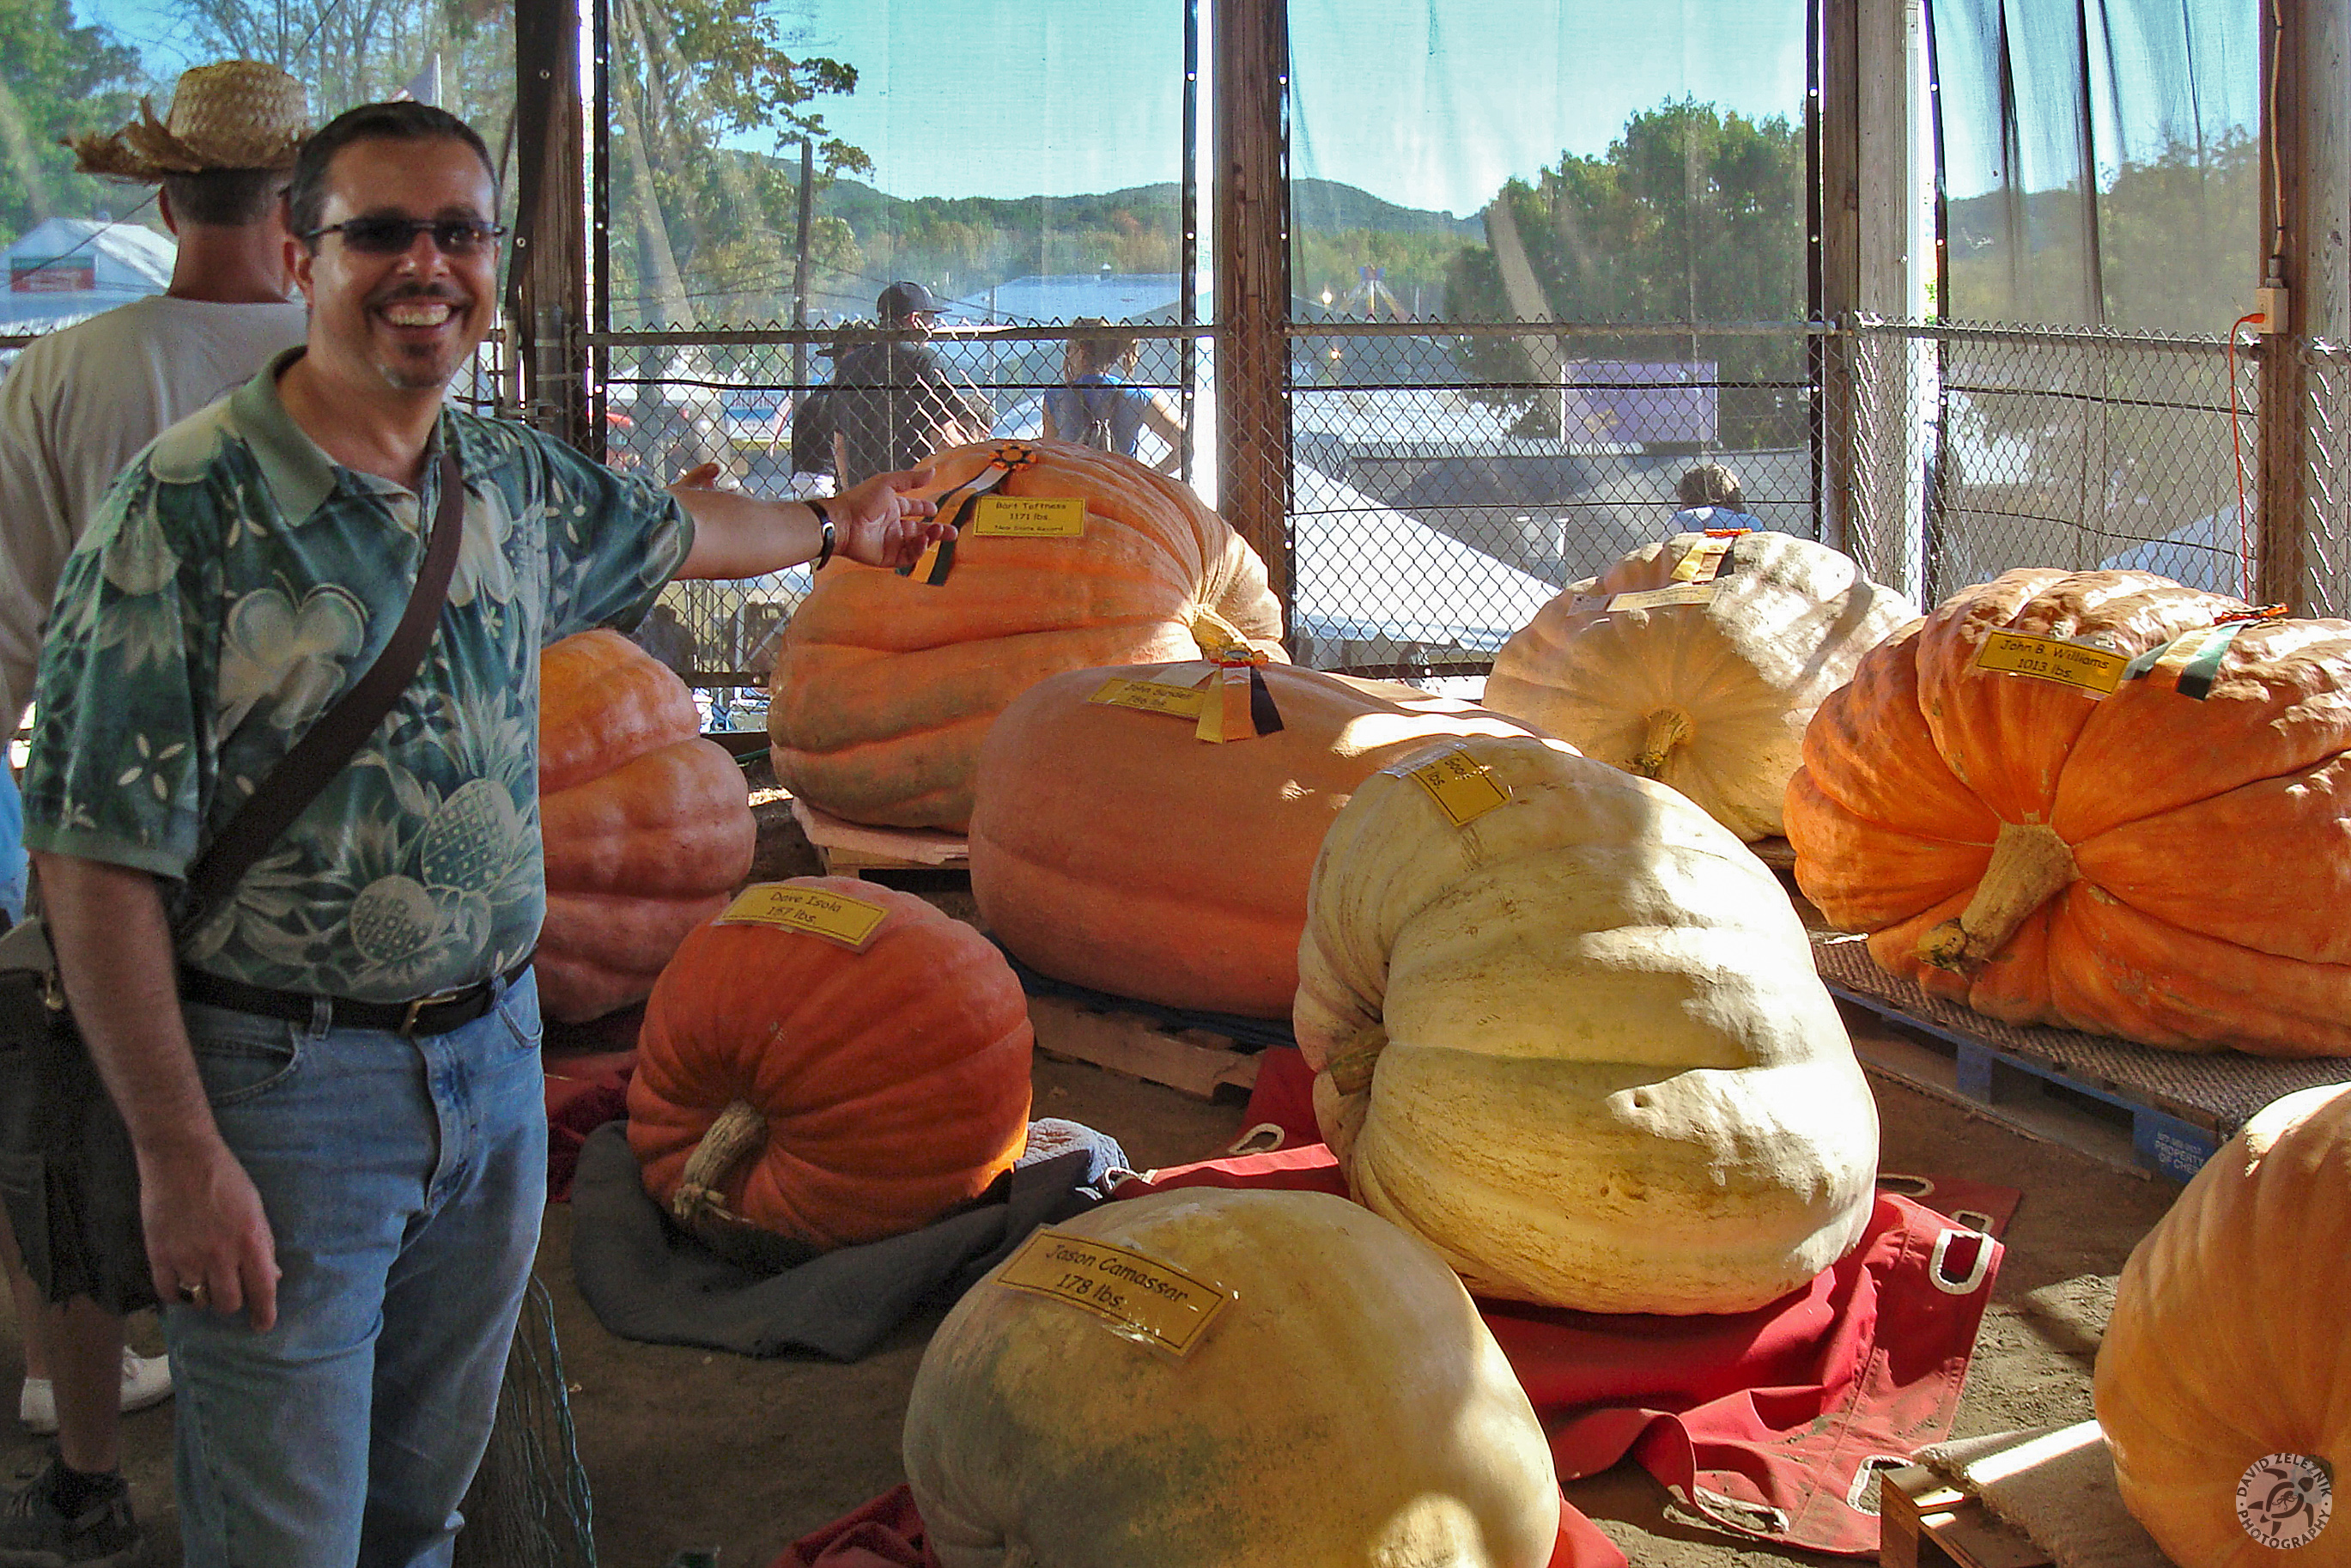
<point>239,114</point>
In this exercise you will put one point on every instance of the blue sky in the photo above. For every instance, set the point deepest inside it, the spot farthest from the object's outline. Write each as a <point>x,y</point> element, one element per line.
<point>1428,103</point>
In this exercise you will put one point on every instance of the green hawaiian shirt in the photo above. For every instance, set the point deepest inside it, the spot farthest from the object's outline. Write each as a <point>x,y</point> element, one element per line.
<point>235,580</point>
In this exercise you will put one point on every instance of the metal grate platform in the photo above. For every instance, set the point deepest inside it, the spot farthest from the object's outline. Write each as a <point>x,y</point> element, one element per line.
<point>2182,1106</point>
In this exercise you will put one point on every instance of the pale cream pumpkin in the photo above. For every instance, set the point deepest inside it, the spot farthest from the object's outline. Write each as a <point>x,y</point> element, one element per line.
<point>1348,1408</point>
<point>2228,1346</point>
<point>1578,1044</point>
<point>1711,697</point>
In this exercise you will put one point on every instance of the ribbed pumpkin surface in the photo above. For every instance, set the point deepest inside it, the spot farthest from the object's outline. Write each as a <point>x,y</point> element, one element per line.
<point>2228,1345</point>
<point>884,687</point>
<point>1713,698</point>
<point>1348,1409</point>
<point>1579,1044</point>
<point>1116,850</point>
<point>893,1082</point>
<point>647,826</point>
<point>2143,864</point>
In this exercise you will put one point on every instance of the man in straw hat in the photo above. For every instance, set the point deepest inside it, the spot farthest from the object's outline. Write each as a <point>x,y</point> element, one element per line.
<point>75,407</point>
<point>333,1085</point>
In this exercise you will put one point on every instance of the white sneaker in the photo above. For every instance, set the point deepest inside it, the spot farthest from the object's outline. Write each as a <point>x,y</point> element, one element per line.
<point>146,1380</point>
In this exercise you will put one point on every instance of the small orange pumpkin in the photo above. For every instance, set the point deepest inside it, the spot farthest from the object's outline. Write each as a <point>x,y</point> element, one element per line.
<point>789,1088</point>
<point>884,686</point>
<point>2141,863</point>
<point>647,826</point>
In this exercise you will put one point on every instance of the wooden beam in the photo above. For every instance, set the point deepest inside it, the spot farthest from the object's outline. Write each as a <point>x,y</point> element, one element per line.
<point>1249,41</point>
<point>2305,217</point>
<point>546,299</point>
<point>1837,120</point>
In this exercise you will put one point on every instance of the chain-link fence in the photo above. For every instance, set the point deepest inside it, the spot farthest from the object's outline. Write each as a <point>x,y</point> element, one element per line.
<point>2326,478</point>
<point>1963,450</point>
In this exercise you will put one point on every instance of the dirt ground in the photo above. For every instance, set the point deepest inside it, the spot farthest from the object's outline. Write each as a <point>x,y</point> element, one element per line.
<point>686,1450</point>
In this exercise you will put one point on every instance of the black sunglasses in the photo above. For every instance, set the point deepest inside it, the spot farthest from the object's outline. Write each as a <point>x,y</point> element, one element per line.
<point>390,236</point>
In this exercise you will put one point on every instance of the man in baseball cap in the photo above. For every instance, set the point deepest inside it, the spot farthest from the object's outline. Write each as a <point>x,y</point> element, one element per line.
<point>894,404</point>
<point>75,407</point>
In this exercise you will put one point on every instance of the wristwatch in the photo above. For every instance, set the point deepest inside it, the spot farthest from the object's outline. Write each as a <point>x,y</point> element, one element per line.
<point>824,520</point>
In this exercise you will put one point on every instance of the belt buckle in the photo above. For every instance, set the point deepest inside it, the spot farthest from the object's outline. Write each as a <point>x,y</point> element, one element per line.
<point>408,1018</point>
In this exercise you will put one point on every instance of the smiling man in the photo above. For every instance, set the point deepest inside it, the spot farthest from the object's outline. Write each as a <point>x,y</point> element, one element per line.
<point>332,1080</point>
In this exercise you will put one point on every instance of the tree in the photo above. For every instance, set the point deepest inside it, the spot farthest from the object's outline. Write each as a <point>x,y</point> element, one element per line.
<point>686,75</point>
<point>58,79</point>
<point>1692,215</point>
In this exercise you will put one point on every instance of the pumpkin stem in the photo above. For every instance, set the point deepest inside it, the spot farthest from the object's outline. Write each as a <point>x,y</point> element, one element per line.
<point>1214,634</point>
<point>1350,1069</point>
<point>1667,728</point>
<point>733,1135</point>
<point>2030,865</point>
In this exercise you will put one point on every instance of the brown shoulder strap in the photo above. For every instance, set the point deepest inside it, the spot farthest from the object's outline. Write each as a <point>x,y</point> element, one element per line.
<point>338,734</point>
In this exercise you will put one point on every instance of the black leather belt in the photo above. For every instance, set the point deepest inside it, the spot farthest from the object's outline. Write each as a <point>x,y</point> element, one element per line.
<point>436,1014</point>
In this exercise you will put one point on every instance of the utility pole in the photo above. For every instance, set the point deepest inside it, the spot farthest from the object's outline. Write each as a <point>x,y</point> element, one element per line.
<point>801,265</point>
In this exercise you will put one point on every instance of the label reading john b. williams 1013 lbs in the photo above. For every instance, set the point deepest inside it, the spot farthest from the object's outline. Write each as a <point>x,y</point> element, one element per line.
<point>2097,670</point>
<point>1142,1298</point>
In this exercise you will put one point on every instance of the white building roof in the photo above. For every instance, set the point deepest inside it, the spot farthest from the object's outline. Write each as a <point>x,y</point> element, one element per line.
<point>104,263</point>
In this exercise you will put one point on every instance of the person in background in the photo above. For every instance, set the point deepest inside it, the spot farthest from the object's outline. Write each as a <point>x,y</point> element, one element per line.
<point>77,404</point>
<point>1096,407</point>
<point>893,404</point>
<point>332,1087</point>
<point>1710,499</point>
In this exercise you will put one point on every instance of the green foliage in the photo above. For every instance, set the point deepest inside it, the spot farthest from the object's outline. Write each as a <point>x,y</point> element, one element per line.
<point>1692,215</point>
<point>58,78</point>
<point>2179,246</point>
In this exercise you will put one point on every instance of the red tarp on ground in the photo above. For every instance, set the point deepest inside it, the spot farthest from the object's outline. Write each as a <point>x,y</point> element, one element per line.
<point>1769,1422</point>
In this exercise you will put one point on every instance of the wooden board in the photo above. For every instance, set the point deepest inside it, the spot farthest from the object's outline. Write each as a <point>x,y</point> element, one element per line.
<point>853,849</point>
<point>1925,1522</point>
<point>1194,1061</point>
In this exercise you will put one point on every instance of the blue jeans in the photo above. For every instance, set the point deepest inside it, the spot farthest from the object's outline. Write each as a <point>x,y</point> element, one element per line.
<point>404,1181</point>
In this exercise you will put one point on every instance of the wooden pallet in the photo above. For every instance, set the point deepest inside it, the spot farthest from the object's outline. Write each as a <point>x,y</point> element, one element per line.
<point>1197,1062</point>
<point>855,848</point>
<point>1924,1521</point>
<point>2111,1126</point>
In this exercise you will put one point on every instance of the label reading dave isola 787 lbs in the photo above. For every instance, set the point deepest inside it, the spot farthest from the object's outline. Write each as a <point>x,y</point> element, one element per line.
<point>1142,1298</point>
<point>2097,670</point>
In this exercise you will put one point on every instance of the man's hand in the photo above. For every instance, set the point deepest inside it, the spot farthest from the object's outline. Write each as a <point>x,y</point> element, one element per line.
<point>880,524</point>
<point>208,1242</point>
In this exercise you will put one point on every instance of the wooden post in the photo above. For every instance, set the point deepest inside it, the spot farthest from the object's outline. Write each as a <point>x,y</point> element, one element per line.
<point>1837,120</point>
<point>548,281</point>
<point>1878,423</point>
<point>2303,163</point>
<point>1252,49</point>
<point>800,263</point>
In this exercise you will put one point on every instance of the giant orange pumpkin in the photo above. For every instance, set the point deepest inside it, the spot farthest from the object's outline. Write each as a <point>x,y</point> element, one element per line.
<point>790,1088</point>
<point>2224,1381</point>
<point>647,825</point>
<point>1113,848</point>
<point>2141,863</point>
<point>885,685</point>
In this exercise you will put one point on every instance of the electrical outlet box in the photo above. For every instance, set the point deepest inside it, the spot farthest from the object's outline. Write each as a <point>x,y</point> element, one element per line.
<point>2273,301</point>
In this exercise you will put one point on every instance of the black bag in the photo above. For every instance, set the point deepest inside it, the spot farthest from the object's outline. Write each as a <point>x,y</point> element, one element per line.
<point>69,1174</point>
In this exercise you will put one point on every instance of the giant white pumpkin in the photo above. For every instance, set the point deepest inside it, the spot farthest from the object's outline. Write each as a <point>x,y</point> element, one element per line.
<point>1347,1409</point>
<point>1705,686</point>
<point>2224,1380</point>
<point>1578,1043</point>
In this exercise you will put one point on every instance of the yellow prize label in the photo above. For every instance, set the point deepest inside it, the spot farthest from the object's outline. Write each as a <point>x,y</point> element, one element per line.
<point>850,922</point>
<point>1461,786</point>
<point>2095,670</point>
<point>1658,598</point>
<point>1029,518</point>
<point>1151,696</point>
<point>1141,1296</point>
<point>1701,564</point>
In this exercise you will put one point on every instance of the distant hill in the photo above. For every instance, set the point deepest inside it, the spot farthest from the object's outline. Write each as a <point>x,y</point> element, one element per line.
<point>1314,204</point>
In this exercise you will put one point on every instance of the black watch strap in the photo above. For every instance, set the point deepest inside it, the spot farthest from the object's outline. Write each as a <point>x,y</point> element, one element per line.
<point>824,521</point>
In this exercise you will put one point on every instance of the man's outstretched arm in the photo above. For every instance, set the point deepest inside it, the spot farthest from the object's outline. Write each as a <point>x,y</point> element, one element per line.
<point>735,534</point>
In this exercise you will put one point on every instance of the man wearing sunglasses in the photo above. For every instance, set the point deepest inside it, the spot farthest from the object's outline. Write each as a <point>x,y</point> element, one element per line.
<point>332,1083</point>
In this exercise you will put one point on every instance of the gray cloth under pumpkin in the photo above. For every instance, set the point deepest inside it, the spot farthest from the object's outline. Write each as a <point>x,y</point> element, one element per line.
<point>646,1280</point>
